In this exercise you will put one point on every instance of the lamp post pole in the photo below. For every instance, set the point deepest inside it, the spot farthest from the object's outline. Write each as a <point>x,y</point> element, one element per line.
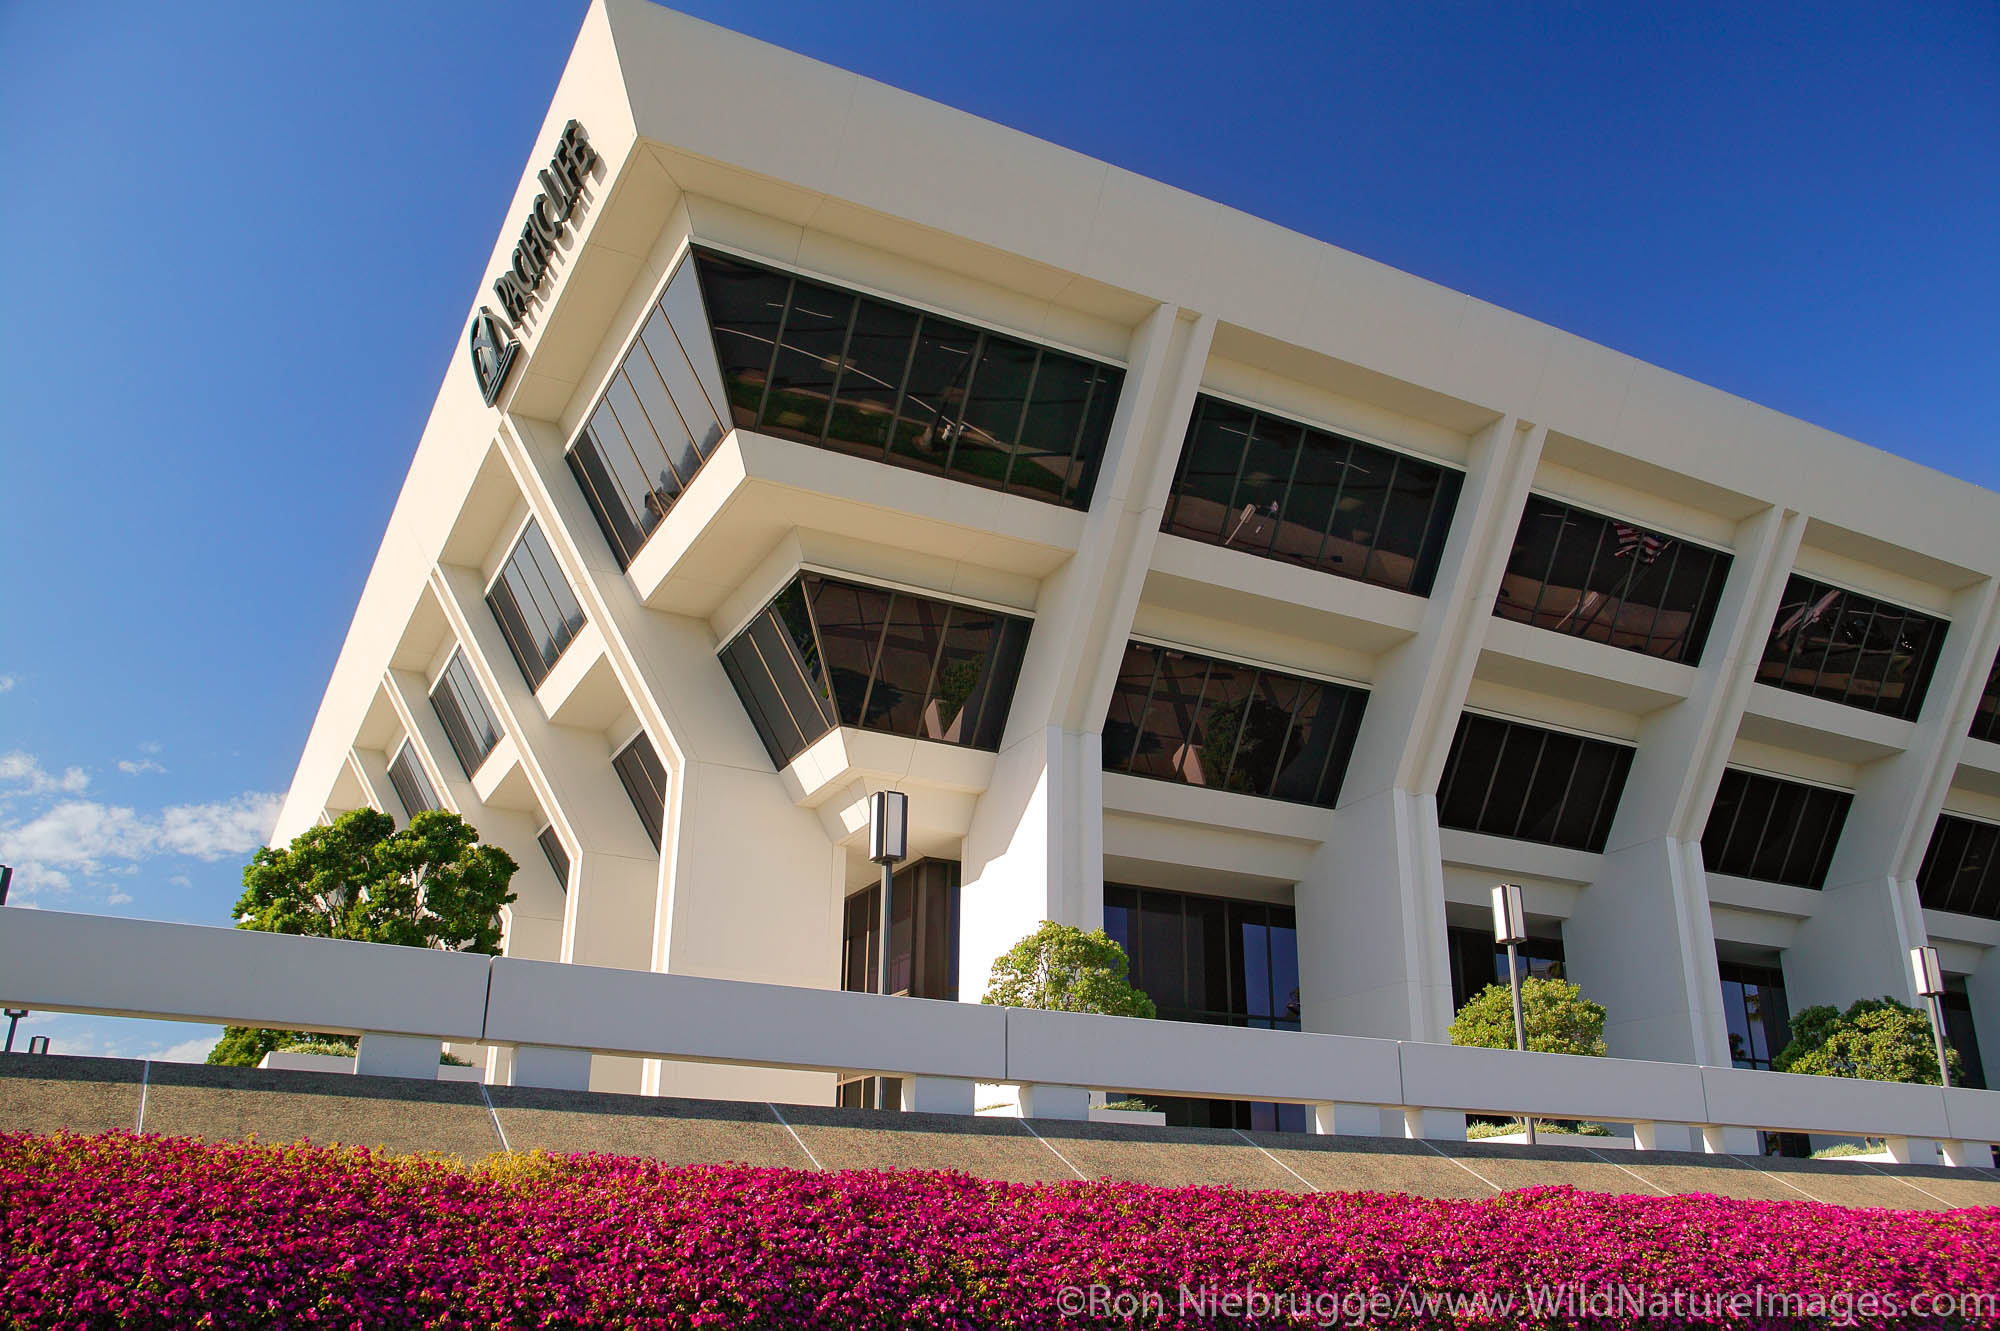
<point>888,843</point>
<point>1930,983</point>
<point>1510,929</point>
<point>14,1015</point>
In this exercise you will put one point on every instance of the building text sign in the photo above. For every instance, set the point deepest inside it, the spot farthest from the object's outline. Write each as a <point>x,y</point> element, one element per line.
<point>548,220</point>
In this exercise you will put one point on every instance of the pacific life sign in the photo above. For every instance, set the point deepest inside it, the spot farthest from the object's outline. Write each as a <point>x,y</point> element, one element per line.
<point>493,351</point>
<point>548,220</point>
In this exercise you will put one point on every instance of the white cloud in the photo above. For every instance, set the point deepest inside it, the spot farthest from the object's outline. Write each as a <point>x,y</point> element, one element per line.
<point>119,1037</point>
<point>6,683</point>
<point>181,880</point>
<point>118,898</point>
<point>24,772</point>
<point>150,746</point>
<point>187,1051</point>
<point>31,879</point>
<point>138,766</point>
<point>88,837</point>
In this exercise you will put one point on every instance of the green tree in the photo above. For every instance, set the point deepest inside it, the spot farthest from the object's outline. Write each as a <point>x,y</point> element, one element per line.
<point>1061,968</point>
<point>1557,1017</point>
<point>431,884</point>
<point>1876,1039</point>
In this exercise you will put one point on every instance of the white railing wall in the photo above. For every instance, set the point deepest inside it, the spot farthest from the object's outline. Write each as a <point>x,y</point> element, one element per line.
<point>405,1002</point>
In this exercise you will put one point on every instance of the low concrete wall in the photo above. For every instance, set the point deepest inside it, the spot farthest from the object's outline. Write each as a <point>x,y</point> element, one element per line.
<point>556,1017</point>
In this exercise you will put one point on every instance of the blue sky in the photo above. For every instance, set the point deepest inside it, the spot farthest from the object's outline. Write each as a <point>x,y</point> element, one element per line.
<point>242,241</point>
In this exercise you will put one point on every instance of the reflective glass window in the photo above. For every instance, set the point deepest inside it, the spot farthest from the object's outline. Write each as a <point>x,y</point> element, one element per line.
<point>1771,829</point>
<point>1958,873</point>
<point>1986,720</point>
<point>1851,649</point>
<point>556,853</point>
<point>1755,1012</point>
<point>461,709</point>
<point>413,787</point>
<point>1258,482</point>
<point>1477,961</point>
<point>923,933</point>
<point>814,363</point>
<point>537,612</point>
<point>1203,721</point>
<point>645,780</point>
<point>828,652</point>
<point>1506,778</point>
<point>1576,572</point>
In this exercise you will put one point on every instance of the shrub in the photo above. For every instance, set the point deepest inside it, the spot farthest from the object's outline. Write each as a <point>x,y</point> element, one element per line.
<point>148,1232</point>
<point>1556,1015</point>
<point>1876,1039</point>
<point>1061,968</point>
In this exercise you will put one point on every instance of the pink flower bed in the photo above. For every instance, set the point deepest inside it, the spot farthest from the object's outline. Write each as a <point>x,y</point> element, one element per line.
<point>120,1230</point>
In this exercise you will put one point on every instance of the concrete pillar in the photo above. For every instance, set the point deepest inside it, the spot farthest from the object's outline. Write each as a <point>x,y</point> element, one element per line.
<point>1069,1102</point>
<point>557,1069</point>
<point>1857,943</point>
<point>1641,940</point>
<point>937,1095</point>
<point>1662,1137</point>
<point>1372,958</point>
<point>1035,846</point>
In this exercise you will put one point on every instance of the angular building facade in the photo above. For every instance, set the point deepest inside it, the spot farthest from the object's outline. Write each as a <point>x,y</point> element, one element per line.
<point>1197,580</point>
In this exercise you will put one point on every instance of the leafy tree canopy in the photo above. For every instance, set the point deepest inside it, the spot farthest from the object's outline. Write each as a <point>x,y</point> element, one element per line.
<point>430,884</point>
<point>1061,968</point>
<point>1556,1015</point>
<point>1876,1039</point>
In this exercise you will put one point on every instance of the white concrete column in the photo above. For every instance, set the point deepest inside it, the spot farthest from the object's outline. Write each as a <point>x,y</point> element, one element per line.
<point>614,869</point>
<point>398,1056</point>
<point>1372,958</point>
<point>1857,943</point>
<point>1035,848</point>
<point>1641,939</point>
<point>763,898</point>
<point>535,918</point>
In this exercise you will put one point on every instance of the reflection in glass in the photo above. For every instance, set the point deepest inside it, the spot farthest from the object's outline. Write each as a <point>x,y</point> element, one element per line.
<point>1177,716</point>
<point>1771,829</point>
<point>1477,961</point>
<point>461,709</point>
<point>1958,872</point>
<point>1577,572</point>
<point>645,781</point>
<point>827,652</point>
<point>1258,482</point>
<point>1755,1011</point>
<point>1851,649</point>
<point>1217,960</point>
<point>1986,720</point>
<point>537,612</point>
<point>923,933</point>
<point>413,788</point>
<point>1508,779</point>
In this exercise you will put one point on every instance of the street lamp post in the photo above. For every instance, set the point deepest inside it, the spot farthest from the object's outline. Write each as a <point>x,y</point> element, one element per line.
<point>14,1015</point>
<point>6,881</point>
<point>1510,929</point>
<point>1930,983</point>
<point>888,843</point>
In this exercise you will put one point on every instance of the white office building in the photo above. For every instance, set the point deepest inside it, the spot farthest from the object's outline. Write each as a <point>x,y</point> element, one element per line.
<point>1197,580</point>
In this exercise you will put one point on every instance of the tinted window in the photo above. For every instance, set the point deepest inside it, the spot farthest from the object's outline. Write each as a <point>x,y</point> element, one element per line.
<point>1851,649</point>
<point>923,933</point>
<point>1576,572</point>
<point>829,367</point>
<point>413,788</point>
<point>1477,961</point>
<point>1986,721</point>
<point>461,708</point>
<point>1958,873</point>
<point>1177,716</point>
<point>557,854</point>
<point>1754,1008</point>
<point>1507,779</point>
<point>645,781</point>
<point>659,419</point>
<point>1260,483</point>
<point>537,612</point>
<point>827,652</point>
<point>1778,831</point>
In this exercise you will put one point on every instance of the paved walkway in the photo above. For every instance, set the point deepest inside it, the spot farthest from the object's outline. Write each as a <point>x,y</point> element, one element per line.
<point>42,1093</point>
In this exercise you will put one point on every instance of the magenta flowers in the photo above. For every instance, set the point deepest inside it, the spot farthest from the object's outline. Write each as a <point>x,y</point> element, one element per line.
<point>120,1231</point>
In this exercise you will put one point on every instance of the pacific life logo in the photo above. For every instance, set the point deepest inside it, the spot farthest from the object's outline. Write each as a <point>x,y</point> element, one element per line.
<point>493,347</point>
